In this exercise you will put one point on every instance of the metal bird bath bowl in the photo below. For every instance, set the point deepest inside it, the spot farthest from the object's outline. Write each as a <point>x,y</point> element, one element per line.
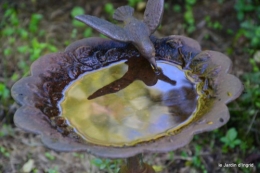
<point>102,96</point>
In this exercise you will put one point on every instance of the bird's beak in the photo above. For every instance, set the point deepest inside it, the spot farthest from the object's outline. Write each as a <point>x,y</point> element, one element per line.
<point>153,63</point>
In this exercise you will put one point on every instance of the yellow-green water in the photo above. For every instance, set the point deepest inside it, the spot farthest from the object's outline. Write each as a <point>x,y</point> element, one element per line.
<point>136,113</point>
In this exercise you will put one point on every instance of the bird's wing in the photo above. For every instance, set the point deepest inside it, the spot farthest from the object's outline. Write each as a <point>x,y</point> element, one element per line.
<point>108,29</point>
<point>113,87</point>
<point>153,14</point>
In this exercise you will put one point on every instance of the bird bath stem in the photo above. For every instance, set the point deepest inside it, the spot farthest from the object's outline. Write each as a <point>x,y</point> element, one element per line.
<point>135,164</point>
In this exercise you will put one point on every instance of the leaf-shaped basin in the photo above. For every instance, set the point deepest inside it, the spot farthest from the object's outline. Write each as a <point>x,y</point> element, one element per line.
<point>103,97</point>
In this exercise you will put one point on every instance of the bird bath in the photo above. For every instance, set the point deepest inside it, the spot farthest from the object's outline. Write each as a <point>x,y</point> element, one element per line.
<point>103,96</point>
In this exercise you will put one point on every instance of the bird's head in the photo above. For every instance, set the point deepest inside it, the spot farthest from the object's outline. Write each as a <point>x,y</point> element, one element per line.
<point>147,50</point>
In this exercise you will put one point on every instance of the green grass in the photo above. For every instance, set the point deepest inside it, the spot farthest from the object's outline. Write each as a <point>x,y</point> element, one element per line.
<point>189,16</point>
<point>133,3</point>
<point>111,166</point>
<point>109,8</point>
<point>79,26</point>
<point>245,111</point>
<point>230,140</point>
<point>28,36</point>
<point>49,156</point>
<point>4,152</point>
<point>22,43</point>
<point>248,14</point>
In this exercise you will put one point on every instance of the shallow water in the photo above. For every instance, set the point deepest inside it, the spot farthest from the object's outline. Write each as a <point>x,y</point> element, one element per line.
<point>116,106</point>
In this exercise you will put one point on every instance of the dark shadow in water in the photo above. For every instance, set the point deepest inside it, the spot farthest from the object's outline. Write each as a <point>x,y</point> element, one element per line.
<point>138,69</point>
<point>181,102</point>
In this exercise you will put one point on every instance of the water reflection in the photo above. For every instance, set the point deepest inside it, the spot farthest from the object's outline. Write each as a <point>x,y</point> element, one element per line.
<point>138,69</point>
<point>131,104</point>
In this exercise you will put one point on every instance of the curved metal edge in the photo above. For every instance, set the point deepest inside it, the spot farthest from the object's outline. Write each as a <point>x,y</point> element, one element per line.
<point>45,62</point>
<point>21,87</point>
<point>23,119</point>
<point>95,42</point>
<point>230,86</point>
<point>33,120</point>
<point>189,42</point>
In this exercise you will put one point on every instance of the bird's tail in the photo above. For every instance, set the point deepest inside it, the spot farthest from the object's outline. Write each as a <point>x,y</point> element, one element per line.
<point>123,13</point>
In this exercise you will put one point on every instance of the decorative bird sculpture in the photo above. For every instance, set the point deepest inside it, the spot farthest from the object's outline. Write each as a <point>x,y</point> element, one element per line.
<point>135,31</point>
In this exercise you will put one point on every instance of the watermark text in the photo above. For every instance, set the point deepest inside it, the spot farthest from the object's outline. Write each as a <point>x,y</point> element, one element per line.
<point>236,165</point>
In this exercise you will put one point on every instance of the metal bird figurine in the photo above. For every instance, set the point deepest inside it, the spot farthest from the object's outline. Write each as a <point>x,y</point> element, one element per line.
<point>135,31</point>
